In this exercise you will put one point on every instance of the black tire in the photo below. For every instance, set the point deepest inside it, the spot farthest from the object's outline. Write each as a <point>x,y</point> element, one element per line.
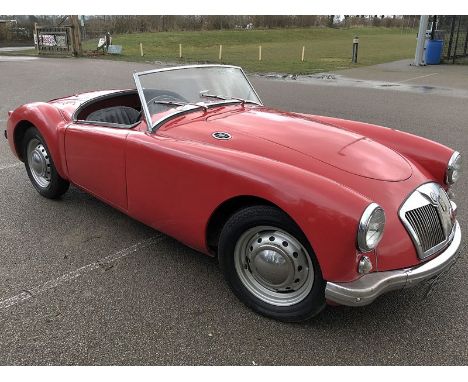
<point>257,216</point>
<point>56,186</point>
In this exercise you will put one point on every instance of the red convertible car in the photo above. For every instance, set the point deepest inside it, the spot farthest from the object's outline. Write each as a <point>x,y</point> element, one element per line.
<point>300,209</point>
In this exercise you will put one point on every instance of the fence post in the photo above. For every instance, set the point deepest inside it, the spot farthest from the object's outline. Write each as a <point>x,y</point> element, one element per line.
<point>452,31</point>
<point>37,37</point>
<point>456,40</point>
<point>180,50</point>
<point>303,51</point>
<point>466,42</point>
<point>220,52</point>
<point>141,49</point>
<point>260,53</point>
<point>355,49</point>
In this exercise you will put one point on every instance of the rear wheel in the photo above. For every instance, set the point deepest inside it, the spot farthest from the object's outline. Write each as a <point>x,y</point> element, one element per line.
<point>270,265</point>
<point>40,166</point>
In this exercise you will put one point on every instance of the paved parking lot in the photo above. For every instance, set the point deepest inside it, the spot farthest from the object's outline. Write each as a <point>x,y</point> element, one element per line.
<point>81,283</point>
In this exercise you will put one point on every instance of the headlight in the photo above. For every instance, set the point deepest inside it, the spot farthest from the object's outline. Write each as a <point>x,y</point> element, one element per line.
<point>453,168</point>
<point>371,227</point>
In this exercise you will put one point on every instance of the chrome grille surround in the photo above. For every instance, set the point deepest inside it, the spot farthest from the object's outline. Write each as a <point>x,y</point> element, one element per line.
<point>428,217</point>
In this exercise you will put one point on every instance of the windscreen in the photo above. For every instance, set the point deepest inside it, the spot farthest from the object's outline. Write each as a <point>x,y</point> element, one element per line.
<point>169,89</point>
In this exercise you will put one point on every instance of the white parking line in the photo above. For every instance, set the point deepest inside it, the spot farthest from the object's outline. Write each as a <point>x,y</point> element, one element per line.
<point>415,78</point>
<point>51,284</point>
<point>4,167</point>
<point>18,58</point>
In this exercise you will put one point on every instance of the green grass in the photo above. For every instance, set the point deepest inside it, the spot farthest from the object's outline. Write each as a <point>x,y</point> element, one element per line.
<point>325,48</point>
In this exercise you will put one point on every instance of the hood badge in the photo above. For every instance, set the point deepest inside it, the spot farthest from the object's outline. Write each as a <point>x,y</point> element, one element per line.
<point>432,197</point>
<point>221,135</point>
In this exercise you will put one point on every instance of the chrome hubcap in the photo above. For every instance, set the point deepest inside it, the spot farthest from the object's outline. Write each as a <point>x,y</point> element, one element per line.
<point>273,265</point>
<point>39,163</point>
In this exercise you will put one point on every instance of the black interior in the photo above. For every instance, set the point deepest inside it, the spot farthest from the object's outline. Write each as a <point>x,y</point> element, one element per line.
<point>123,109</point>
<point>122,115</point>
<point>120,109</point>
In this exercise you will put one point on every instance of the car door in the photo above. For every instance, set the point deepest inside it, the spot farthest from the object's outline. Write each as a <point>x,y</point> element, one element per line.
<point>96,161</point>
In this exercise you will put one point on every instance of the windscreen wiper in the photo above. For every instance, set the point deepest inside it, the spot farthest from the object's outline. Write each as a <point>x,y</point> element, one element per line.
<point>175,103</point>
<point>205,94</point>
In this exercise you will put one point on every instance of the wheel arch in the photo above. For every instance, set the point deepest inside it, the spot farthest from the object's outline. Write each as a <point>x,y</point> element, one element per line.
<point>19,131</point>
<point>50,123</point>
<point>226,209</point>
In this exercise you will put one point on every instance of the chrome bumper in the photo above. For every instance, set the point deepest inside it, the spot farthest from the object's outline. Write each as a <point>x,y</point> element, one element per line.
<point>366,289</point>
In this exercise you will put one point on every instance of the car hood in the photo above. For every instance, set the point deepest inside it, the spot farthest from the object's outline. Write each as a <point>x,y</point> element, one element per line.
<point>296,139</point>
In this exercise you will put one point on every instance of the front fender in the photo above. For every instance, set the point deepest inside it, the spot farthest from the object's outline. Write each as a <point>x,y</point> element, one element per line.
<point>50,123</point>
<point>174,186</point>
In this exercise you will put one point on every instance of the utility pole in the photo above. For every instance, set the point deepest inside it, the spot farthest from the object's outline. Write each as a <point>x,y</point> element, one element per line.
<point>76,38</point>
<point>419,54</point>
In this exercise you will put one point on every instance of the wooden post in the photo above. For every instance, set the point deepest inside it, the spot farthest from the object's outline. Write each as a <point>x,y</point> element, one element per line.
<point>76,38</point>
<point>220,52</point>
<point>141,49</point>
<point>303,51</point>
<point>180,50</point>
<point>260,53</point>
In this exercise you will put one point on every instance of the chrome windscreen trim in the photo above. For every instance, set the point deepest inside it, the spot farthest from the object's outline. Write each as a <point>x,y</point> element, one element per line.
<point>144,105</point>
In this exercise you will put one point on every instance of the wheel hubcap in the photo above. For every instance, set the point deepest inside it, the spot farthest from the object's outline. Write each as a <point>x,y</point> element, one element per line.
<point>273,265</point>
<point>39,163</point>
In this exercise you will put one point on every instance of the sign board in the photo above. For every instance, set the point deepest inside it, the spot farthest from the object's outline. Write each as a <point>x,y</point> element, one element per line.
<point>114,49</point>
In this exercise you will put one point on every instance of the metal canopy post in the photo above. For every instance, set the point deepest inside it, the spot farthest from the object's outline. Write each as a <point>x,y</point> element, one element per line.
<point>419,55</point>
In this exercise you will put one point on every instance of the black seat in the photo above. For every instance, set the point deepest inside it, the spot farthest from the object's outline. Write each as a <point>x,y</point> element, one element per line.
<point>122,115</point>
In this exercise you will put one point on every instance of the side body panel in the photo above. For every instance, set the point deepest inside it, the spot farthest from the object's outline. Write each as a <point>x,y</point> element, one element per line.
<point>96,161</point>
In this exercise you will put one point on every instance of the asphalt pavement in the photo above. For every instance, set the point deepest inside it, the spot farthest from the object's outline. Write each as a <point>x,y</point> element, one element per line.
<point>81,283</point>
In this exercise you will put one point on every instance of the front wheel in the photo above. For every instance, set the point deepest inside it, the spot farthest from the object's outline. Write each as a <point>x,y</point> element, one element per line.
<point>40,166</point>
<point>270,265</point>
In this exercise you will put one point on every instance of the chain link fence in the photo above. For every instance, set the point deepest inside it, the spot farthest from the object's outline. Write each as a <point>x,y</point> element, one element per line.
<point>454,30</point>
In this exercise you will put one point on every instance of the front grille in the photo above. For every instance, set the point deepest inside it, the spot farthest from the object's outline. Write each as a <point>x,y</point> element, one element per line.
<point>426,223</point>
<point>428,218</point>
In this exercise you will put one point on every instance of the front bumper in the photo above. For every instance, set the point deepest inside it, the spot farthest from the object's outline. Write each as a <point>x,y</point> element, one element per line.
<point>367,288</point>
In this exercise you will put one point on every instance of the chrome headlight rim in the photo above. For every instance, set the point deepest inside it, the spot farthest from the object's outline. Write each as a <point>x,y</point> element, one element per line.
<point>363,228</point>
<point>453,167</point>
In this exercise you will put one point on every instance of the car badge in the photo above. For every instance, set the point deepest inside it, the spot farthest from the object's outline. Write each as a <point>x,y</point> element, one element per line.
<point>221,135</point>
<point>432,197</point>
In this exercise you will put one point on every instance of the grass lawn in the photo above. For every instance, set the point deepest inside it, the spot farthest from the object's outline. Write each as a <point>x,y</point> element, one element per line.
<point>325,48</point>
